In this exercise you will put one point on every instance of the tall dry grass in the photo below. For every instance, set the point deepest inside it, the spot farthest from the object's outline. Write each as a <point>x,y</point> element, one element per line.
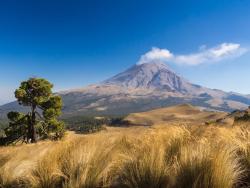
<point>158,157</point>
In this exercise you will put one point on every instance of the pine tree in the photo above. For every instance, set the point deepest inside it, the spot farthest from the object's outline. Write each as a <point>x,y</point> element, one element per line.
<point>44,109</point>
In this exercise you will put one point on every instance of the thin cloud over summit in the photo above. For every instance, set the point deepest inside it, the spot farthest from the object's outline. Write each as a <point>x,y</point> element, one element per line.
<point>204,55</point>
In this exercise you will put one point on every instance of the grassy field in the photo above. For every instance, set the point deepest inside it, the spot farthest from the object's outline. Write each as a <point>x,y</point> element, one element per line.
<point>173,155</point>
<point>158,156</point>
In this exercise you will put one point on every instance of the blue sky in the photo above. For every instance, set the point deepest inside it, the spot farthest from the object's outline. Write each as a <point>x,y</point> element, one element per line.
<point>74,43</point>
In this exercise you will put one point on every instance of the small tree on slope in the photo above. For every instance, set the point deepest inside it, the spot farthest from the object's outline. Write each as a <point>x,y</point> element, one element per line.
<point>41,120</point>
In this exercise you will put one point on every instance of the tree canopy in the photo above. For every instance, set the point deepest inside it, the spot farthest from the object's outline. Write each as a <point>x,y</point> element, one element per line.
<point>42,118</point>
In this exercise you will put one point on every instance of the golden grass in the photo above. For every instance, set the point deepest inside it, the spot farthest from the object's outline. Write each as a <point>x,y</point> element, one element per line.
<point>137,157</point>
<point>174,114</point>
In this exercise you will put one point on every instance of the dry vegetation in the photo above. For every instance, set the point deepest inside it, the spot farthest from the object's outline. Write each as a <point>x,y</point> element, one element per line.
<point>175,114</point>
<point>158,156</point>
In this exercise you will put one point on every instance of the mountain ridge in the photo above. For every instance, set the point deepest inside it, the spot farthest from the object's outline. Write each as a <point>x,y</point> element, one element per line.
<point>140,88</point>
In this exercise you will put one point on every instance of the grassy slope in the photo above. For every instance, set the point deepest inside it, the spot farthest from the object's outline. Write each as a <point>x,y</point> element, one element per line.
<point>184,113</point>
<point>159,156</point>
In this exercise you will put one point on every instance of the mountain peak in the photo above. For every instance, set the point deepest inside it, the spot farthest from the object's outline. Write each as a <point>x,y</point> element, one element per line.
<point>158,64</point>
<point>140,88</point>
<point>154,66</point>
<point>156,75</point>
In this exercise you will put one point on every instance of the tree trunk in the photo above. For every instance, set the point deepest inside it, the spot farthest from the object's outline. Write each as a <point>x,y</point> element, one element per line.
<point>28,136</point>
<point>32,124</point>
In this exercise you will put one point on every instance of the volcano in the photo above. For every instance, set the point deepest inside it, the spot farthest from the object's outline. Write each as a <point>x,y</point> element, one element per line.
<point>140,88</point>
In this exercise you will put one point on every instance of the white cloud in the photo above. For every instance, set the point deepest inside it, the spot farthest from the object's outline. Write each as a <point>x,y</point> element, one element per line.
<point>204,55</point>
<point>156,54</point>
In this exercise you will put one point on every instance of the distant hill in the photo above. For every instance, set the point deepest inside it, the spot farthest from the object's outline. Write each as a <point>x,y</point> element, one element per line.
<point>184,113</point>
<point>141,88</point>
